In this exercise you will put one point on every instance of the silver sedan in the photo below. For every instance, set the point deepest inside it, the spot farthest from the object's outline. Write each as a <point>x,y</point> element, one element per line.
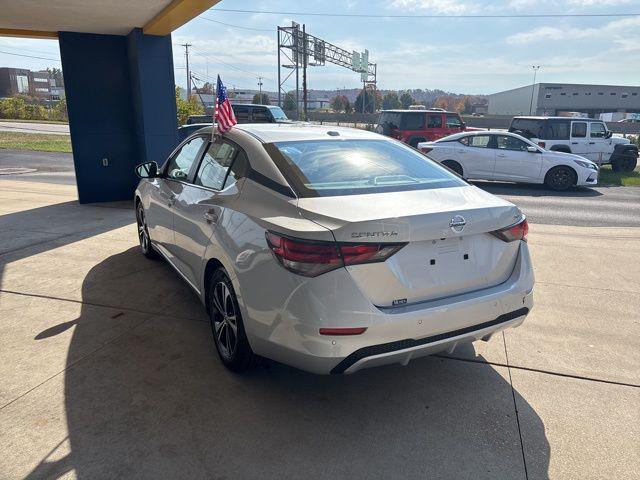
<point>332,249</point>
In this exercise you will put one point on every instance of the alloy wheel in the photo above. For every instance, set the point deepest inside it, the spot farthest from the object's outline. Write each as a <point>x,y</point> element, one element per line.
<point>225,324</point>
<point>143,233</point>
<point>561,179</point>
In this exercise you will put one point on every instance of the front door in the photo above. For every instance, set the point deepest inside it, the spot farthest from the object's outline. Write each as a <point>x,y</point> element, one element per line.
<point>174,176</point>
<point>514,162</point>
<point>201,210</point>
<point>599,147</point>
<point>579,138</point>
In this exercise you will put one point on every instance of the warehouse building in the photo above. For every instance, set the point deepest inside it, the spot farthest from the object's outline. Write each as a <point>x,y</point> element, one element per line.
<point>561,98</point>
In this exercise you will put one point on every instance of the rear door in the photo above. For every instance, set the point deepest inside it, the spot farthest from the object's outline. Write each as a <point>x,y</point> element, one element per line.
<point>579,138</point>
<point>514,162</point>
<point>477,157</point>
<point>435,126</point>
<point>175,175</point>
<point>201,207</point>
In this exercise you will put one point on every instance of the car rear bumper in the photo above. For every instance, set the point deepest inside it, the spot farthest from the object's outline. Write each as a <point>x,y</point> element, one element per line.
<point>393,335</point>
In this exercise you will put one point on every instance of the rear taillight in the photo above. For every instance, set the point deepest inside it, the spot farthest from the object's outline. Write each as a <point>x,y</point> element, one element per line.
<point>514,232</point>
<point>542,144</point>
<point>312,258</point>
<point>426,149</point>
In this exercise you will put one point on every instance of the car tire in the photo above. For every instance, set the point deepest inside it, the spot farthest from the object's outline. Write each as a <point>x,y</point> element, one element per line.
<point>560,178</point>
<point>453,165</point>
<point>414,141</point>
<point>625,162</point>
<point>143,233</point>
<point>227,327</point>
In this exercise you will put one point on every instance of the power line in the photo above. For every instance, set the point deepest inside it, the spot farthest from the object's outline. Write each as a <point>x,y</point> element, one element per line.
<point>371,15</point>
<point>237,26</point>
<point>211,57</point>
<point>30,56</point>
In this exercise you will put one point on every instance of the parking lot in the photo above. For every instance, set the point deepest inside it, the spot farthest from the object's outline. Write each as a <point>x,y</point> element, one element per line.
<point>109,372</point>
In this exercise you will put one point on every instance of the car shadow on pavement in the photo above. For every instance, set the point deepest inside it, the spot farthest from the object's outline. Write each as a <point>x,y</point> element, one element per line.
<point>533,190</point>
<point>155,402</point>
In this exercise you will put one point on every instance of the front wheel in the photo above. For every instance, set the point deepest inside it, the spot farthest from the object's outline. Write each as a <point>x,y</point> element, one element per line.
<point>560,178</point>
<point>626,162</point>
<point>226,324</point>
<point>143,233</point>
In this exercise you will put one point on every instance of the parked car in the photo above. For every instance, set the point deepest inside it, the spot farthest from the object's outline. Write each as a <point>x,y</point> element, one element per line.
<point>248,113</point>
<point>273,229</point>
<point>415,126</point>
<point>586,137</point>
<point>509,157</point>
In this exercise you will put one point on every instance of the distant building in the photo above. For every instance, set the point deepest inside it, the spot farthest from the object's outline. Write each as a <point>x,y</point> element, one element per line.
<point>558,98</point>
<point>42,84</point>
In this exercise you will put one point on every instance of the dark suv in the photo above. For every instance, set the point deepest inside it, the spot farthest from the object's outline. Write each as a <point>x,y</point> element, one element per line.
<point>245,113</point>
<point>415,126</point>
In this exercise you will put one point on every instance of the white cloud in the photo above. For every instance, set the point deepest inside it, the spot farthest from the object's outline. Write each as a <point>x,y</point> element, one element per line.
<point>617,30</point>
<point>449,7</point>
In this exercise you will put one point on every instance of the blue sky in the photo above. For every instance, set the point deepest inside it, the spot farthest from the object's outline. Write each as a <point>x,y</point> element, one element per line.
<point>463,55</point>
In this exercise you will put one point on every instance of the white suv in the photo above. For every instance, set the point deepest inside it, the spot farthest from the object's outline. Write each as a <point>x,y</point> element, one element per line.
<point>586,137</point>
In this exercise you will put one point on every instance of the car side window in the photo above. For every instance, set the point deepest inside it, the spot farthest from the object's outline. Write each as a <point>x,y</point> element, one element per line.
<point>481,141</point>
<point>597,130</point>
<point>260,115</point>
<point>215,164</point>
<point>464,141</point>
<point>510,143</point>
<point>241,113</point>
<point>579,129</point>
<point>434,120</point>
<point>453,121</point>
<point>413,121</point>
<point>181,163</point>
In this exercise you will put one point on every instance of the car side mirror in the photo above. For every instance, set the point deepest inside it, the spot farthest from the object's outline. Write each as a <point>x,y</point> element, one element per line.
<point>147,170</point>
<point>532,149</point>
<point>463,125</point>
<point>609,134</point>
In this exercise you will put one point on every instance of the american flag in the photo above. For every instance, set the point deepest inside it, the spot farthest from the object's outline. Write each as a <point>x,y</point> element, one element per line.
<point>224,113</point>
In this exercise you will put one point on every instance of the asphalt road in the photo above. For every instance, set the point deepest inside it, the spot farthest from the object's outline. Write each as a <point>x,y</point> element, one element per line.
<point>597,207</point>
<point>29,127</point>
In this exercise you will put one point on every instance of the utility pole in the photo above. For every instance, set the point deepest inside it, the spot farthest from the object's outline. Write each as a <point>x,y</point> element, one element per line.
<point>260,87</point>
<point>186,56</point>
<point>533,85</point>
<point>304,73</point>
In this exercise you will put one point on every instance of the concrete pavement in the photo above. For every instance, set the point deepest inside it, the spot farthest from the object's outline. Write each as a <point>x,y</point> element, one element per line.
<point>108,371</point>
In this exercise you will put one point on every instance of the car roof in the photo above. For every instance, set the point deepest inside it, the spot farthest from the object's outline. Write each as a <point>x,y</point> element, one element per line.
<point>456,136</point>
<point>283,132</point>
<point>557,118</point>
<point>401,110</point>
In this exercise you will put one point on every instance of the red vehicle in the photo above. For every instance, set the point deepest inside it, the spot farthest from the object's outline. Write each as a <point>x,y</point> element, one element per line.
<point>415,126</point>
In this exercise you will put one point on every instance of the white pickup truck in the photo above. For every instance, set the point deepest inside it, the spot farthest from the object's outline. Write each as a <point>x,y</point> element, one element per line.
<point>586,137</point>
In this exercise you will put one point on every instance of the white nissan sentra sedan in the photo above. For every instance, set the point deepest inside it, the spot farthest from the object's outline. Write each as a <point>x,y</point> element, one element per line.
<point>333,249</point>
<point>505,156</point>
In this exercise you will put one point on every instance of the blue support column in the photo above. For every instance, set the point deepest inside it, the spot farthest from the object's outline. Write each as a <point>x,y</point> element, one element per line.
<point>121,104</point>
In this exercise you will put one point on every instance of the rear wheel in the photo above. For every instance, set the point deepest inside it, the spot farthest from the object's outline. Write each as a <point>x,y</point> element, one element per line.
<point>560,178</point>
<point>453,165</point>
<point>226,324</point>
<point>143,233</point>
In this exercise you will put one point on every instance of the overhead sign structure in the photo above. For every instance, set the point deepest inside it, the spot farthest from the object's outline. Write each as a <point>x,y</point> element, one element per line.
<point>302,49</point>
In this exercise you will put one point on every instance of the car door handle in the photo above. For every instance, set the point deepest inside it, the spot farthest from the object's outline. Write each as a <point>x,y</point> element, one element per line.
<point>592,143</point>
<point>501,155</point>
<point>210,216</point>
<point>574,143</point>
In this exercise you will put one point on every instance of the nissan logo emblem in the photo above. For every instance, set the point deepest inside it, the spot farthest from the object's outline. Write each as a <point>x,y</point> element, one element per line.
<point>457,223</point>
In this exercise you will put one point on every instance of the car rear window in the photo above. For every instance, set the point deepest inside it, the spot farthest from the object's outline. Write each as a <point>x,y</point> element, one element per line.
<point>529,127</point>
<point>351,167</point>
<point>413,121</point>
<point>391,119</point>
